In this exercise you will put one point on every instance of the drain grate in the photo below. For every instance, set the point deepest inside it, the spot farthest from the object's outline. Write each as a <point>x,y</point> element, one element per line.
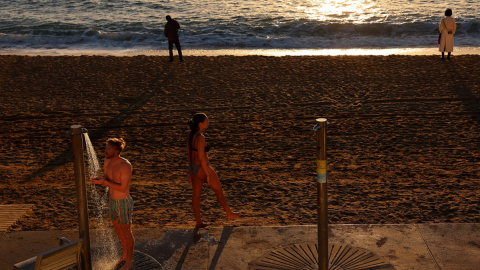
<point>304,256</point>
<point>142,261</point>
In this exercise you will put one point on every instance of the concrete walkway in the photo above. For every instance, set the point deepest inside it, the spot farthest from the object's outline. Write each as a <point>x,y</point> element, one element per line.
<point>410,246</point>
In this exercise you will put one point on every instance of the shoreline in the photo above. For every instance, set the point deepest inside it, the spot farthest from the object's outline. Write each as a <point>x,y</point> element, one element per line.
<point>242,52</point>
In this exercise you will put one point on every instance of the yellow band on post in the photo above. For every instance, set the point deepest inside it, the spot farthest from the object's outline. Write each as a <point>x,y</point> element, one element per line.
<point>321,171</point>
<point>321,166</point>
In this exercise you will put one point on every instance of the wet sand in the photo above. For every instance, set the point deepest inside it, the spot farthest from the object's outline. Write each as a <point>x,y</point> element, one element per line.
<point>403,139</point>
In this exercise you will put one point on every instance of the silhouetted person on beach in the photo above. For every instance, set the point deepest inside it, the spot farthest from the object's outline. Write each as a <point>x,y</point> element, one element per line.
<point>117,176</point>
<point>447,28</point>
<point>171,32</point>
<point>199,170</point>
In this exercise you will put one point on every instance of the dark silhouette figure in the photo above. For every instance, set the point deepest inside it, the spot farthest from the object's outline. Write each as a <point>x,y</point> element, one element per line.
<point>171,32</point>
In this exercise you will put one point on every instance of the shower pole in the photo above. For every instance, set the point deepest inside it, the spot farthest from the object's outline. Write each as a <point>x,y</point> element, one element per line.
<point>79,171</point>
<point>322,207</point>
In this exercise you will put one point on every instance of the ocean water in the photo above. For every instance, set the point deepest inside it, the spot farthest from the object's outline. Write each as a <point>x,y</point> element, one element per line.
<point>231,25</point>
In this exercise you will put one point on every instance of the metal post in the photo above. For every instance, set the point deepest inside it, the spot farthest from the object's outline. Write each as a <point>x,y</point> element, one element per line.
<point>322,202</point>
<point>79,170</point>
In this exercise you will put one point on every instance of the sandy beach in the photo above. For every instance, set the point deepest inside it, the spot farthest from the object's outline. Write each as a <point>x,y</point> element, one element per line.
<point>403,138</point>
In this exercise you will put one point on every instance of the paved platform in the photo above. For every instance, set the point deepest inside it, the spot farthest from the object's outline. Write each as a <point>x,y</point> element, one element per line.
<point>409,246</point>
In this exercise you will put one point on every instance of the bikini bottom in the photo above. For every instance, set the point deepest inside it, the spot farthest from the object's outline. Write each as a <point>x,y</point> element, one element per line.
<point>194,168</point>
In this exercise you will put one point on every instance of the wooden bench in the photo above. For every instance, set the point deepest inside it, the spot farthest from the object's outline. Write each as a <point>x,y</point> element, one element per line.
<point>66,256</point>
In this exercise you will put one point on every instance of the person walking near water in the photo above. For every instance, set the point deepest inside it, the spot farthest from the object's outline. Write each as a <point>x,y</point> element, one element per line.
<point>199,170</point>
<point>117,176</point>
<point>171,32</point>
<point>447,29</point>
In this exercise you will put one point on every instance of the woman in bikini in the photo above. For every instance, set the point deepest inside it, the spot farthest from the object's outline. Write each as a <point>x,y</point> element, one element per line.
<point>199,171</point>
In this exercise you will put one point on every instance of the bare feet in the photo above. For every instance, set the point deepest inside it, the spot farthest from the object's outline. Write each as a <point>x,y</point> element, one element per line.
<point>201,225</point>
<point>127,266</point>
<point>119,264</point>
<point>233,215</point>
<point>121,260</point>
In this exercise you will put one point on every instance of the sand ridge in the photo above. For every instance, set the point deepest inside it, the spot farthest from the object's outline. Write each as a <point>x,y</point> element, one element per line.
<point>403,139</point>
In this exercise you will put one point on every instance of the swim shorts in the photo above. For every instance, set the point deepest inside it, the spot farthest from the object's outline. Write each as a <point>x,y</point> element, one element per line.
<point>121,210</point>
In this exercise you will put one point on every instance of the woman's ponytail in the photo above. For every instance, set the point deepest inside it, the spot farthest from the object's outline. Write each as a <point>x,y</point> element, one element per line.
<point>193,124</point>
